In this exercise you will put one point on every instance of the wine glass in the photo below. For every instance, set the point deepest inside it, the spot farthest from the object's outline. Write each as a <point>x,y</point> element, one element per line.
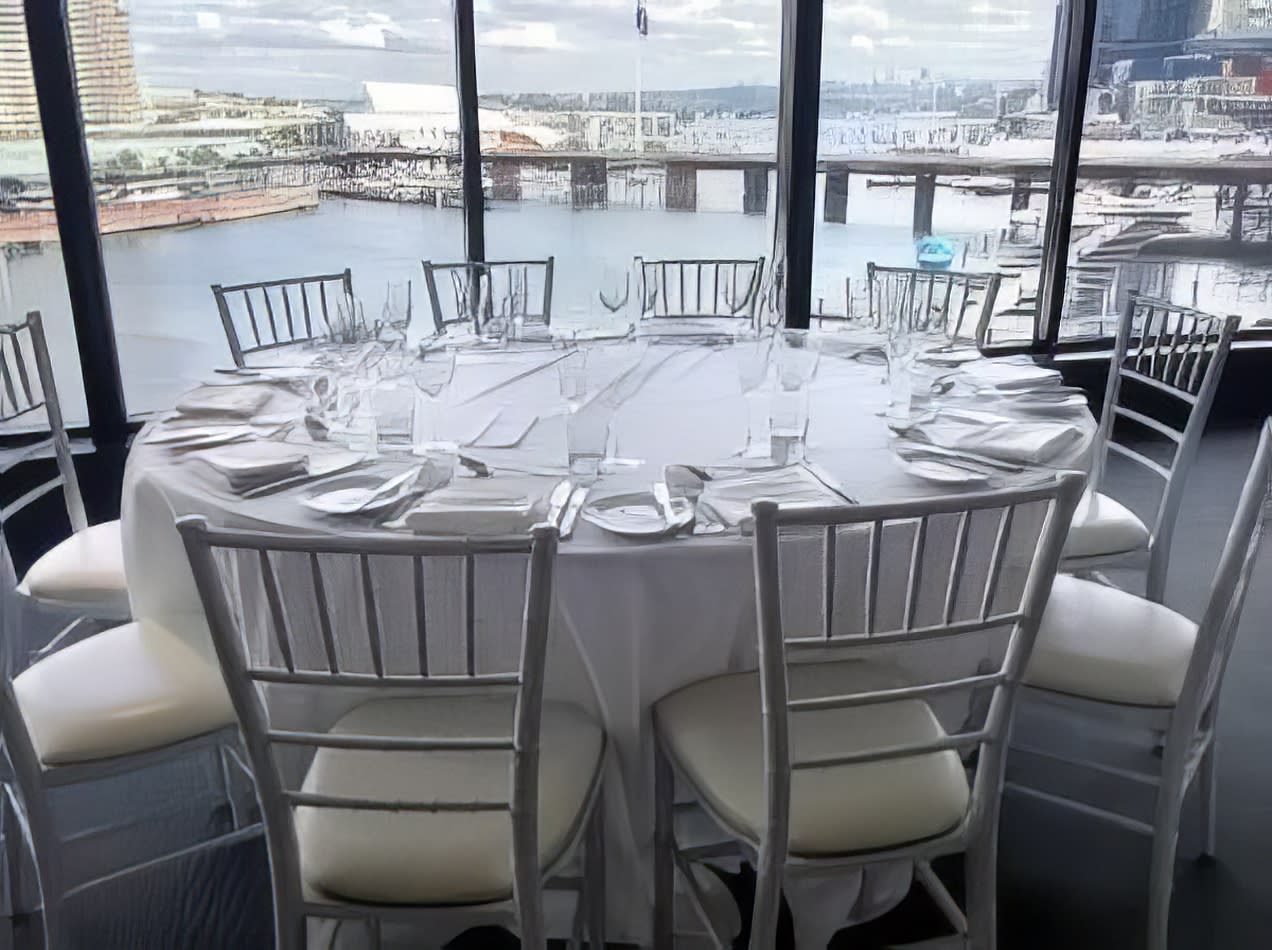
<point>397,304</point>
<point>737,287</point>
<point>616,288</point>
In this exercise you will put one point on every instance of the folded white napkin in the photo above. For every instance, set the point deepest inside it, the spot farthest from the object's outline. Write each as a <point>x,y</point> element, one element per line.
<point>1010,373</point>
<point>727,496</point>
<point>251,464</point>
<point>504,504</point>
<point>242,401</point>
<point>1036,441</point>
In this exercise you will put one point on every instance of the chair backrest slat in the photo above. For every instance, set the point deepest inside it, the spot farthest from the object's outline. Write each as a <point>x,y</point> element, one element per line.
<point>324,614</point>
<point>915,572</point>
<point>956,568</point>
<point>275,600</point>
<point>20,364</point>
<point>372,616</point>
<point>421,613</point>
<point>996,561</point>
<point>245,319</point>
<point>909,295</point>
<point>677,288</point>
<point>287,312</point>
<point>470,613</point>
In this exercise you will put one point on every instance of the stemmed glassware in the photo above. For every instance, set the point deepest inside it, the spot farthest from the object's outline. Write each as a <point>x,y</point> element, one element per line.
<point>431,371</point>
<point>616,288</point>
<point>397,305</point>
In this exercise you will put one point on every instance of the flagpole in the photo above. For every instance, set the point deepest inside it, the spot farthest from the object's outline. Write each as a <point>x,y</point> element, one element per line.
<point>640,125</point>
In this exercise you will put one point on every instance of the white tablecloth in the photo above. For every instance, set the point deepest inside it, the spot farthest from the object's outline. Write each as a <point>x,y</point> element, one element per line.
<point>633,620</point>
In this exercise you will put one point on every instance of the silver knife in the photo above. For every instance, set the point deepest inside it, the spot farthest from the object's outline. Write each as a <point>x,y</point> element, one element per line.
<point>556,501</point>
<point>572,510</point>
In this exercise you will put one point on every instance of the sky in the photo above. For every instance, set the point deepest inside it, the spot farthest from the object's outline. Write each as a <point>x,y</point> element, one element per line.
<point>318,49</point>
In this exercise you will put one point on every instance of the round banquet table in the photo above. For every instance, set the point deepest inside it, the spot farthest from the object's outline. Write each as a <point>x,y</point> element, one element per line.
<point>633,620</point>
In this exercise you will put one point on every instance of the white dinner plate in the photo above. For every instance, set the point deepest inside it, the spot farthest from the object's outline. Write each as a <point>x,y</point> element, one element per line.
<point>937,472</point>
<point>198,437</point>
<point>364,499</point>
<point>638,515</point>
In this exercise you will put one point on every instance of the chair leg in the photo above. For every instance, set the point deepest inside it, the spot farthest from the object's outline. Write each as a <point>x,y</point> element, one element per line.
<point>291,931</point>
<point>664,846</point>
<point>595,862</point>
<point>1161,879</point>
<point>1207,778</point>
<point>13,850</point>
<point>981,870</point>
<point>227,785</point>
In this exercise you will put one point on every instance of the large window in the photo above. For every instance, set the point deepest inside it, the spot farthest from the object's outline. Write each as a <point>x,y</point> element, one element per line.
<point>31,271</point>
<point>1175,199</point>
<point>232,142</point>
<point>240,140</point>
<point>937,121</point>
<point>613,129</point>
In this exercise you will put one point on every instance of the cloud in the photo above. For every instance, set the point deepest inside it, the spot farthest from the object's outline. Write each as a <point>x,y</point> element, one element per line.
<point>990,9</point>
<point>374,30</point>
<point>328,48</point>
<point>527,36</point>
<point>857,16</point>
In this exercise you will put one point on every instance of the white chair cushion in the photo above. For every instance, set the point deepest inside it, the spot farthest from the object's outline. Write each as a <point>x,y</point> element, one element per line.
<point>85,569</point>
<point>712,730</point>
<point>1103,643</point>
<point>439,857</point>
<point>127,689</point>
<point>1103,526</point>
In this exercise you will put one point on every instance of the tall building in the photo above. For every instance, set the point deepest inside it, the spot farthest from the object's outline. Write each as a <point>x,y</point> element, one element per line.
<point>104,67</point>
<point>1132,29</point>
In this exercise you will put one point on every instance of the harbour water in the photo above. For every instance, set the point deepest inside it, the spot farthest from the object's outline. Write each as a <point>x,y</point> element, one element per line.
<point>166,321</point>
<point>170,336</point>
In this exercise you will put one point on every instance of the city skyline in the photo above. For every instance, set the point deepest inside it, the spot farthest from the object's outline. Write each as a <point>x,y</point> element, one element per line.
<point>292,49</point>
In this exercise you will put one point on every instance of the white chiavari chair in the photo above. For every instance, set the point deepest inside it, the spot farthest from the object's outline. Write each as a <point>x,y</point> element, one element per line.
<point>843,750</point>
<point>84,573</point>
<point>1127,672</point>
<point>1168,360</point>
<point>269,314</point>
<point>97,708</point>
<point>406,776</point>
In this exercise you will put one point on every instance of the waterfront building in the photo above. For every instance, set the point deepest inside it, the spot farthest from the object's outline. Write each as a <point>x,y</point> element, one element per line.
<point>103,60</point>
<point>1146,29</point>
